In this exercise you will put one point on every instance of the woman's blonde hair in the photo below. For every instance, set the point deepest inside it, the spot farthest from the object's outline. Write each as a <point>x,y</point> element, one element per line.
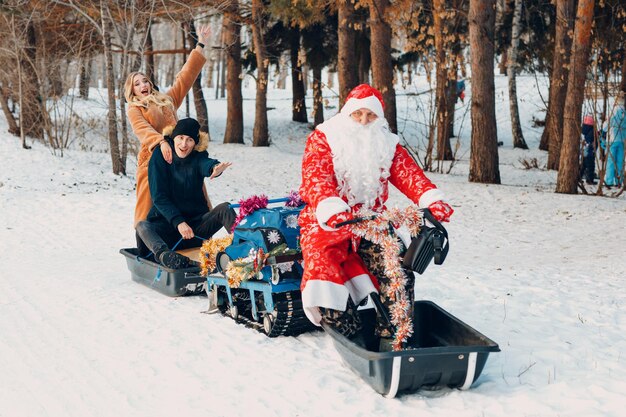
<point>155,97</point>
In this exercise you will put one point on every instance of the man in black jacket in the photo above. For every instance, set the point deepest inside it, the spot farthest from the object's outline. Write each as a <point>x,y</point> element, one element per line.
<point>179,206</point>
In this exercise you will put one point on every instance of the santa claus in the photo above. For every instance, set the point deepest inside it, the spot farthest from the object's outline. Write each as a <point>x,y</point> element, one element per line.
<point>348,163</point>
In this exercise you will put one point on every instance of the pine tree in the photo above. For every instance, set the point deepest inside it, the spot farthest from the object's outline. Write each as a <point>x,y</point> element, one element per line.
<point>567,179</point>
<point>484,147</point>
<point>233,133</point>
<point>553,131</point>
<point>382,68</point>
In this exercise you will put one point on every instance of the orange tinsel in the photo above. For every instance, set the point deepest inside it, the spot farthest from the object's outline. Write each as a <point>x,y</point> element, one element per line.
<point>377,231</point>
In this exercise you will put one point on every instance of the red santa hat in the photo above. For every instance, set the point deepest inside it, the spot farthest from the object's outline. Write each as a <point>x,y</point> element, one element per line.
<point>364,96</point>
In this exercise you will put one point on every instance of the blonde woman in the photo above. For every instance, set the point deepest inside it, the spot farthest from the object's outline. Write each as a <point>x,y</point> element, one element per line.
<point>150,111</point>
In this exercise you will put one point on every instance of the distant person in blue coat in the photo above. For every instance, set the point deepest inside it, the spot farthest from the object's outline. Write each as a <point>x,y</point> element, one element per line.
<point>616,136</point>
<point>179,206</point>
<point>589,151</point>
<point>460,90</point>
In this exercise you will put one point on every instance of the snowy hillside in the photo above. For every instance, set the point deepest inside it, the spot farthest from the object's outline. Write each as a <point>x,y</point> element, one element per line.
<point>540,273</point>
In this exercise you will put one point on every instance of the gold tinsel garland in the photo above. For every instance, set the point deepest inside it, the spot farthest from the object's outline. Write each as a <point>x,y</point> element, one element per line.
<point>377,231</point>
<point>243,269</point>
<point>209,250</point>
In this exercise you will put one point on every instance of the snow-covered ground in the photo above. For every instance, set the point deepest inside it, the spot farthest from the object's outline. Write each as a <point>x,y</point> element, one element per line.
<point>540,273</point>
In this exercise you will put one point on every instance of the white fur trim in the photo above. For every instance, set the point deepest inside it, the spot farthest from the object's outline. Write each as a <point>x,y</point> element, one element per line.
<point>360,287</point>
<point>327,208</point>
<point>325,294</point>
<point>430,197</point>
<point>371,103</point>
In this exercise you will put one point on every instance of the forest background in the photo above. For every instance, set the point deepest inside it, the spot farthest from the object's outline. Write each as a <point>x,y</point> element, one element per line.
<point>53,46</point>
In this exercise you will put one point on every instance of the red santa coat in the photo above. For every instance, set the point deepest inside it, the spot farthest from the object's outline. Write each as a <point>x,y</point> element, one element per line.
<point>331,271</point>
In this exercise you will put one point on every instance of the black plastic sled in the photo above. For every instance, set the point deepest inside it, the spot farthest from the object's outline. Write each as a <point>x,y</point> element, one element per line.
<point>171,282</point>
<point>443,352</point>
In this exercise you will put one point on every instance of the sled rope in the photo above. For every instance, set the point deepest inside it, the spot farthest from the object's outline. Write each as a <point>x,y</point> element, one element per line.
<point>157,276</point>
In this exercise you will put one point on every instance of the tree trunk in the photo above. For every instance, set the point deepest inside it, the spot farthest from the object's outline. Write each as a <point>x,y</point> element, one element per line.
<point>13,127</point>
<point>305,75</point>
<point>504,62</point>
<point>347,71</point>
<point>116,161</point>
<point>202,114</point>
<point>330,79</point>
<point>318,100</point>
<point>126,63</point>
<point>484,147</point>
<point>605,93</point>
<point>260,133</point>
<point>364,57</point>
<point>623,83</point>
<point>210,68</point>
<point>567,179</point>
<point>85,77</point>
<point>409,73</point>
<point>382,68</point>
<point>443,75</point>
<point>518,136</point>
<point>452,98</point>
<point>281,73</point>
<point>124,123</point>
<point>234,116</point>
<point>553,130</point>
<point>183,43</point>
<point>223,76</point>
<point>31,120</point>
<point>20,88</point>
<point>298,104</point>
<point>501,12</point>
<point>55,80</point>
<point>171,70</point>
<point>219,66</point>
<point>151,73</point>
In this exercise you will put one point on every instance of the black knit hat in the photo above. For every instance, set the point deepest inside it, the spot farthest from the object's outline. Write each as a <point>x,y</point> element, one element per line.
<point>189,127</point>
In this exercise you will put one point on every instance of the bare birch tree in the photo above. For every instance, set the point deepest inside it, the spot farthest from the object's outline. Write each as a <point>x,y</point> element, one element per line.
<point>114,149</point>
<point>518,136</point>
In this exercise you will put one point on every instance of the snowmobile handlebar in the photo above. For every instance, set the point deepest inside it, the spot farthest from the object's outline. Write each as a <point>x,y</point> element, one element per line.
<point>270,201</point>
<point>355,220</point>
<point>427,215</point>
<point>431,243</point>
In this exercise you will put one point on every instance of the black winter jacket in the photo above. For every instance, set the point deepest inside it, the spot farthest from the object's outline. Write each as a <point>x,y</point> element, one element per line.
<point>176,188</point>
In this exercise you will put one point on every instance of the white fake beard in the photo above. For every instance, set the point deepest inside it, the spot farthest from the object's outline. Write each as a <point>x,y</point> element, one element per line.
<point>362,157</point>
